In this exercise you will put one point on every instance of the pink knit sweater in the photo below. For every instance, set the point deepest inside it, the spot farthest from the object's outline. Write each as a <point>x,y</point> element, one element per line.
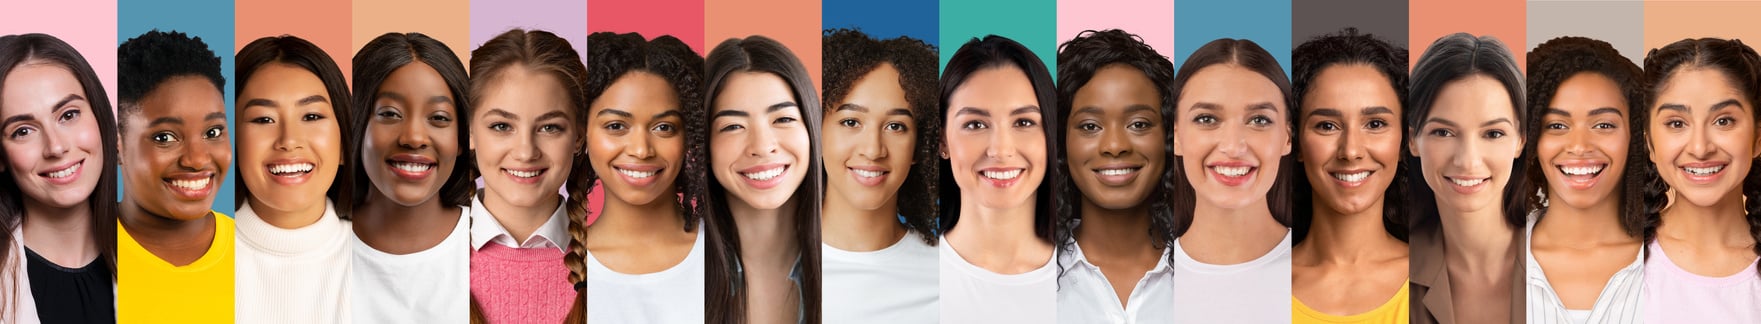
<point>515,285</point>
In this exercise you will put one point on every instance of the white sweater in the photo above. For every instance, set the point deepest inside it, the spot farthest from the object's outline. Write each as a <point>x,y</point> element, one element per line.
<point>292,275</point>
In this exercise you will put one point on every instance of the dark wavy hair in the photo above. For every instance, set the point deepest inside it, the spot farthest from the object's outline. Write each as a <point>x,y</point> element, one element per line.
<point>1249,55</point>
<point>373,64</point>
<point>1348,47</point>
<point>726,296</point>
<point>991,52</point>
<point>1550,64</point>
<point>16,50</point>
<point>1455,57</point>
<point>145,62</point>
<point>292,50</point>
<point>850,55</point>
<point>1742,66</point>
<point>1078,60</point>
<point>542,52</point>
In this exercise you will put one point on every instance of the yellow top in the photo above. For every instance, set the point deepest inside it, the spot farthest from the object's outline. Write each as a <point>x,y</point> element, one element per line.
<point>1395,310</point>
<point>150,290</point>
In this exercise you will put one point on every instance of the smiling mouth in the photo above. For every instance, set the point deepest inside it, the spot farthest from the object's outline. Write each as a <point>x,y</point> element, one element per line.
<point>765,175</point>
<point>191,184</point>
<point>633,174</point>
<point>1001,175</point>
<point>868,173</point>
<point>69,171</point>
<point>524,174</point>
<point>1467,182</point>
<point>1232,171</point>
<point>1354,177</point>
<point>412,167</point>
<point>290,169</point>
<point>1592,170</point>
<point>1116,172</point>
<point>1704,171</point>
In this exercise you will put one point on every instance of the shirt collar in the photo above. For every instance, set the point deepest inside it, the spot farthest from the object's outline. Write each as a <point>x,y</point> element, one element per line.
<point>486,229</point>
<point>1081,259</point>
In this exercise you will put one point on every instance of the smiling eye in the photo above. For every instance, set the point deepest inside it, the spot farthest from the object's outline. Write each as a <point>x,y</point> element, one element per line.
<point>311,117</point>
<point>387,113</point>
<point>21,132</point>
<point>1327,127</point>
<point>1494,134</point>
<point>262,120</point>
<point>1375,124</point>
<point>70,115</point>
<point>1677,124</point>
<point>732,127</point>
<point>500,127</point>
<point>550,128</point>
<point>1442,133</point>
<point>1603,125</point>
<point>848,122</point>
<point>663,129</point>
<point>785,120</point>
<point>163,138</point>
<point>1088,127</point>
<point>440,120</point>
<point>1259,120</point>
<point>974,125</point>
<point>1204,120</point>
<point>1724,121</point>
<point>1023,123</point>
<point>616,127</point>
<point>214,132</point>
<point>897,127</point>
<point>1556,126</point>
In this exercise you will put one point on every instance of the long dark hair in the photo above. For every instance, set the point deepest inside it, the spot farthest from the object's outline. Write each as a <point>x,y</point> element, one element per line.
<point>990,52</point>
<point>292,50</point>
<point>1451,58</point>
<point>726,288</point>
<point>1348,47</point>
<point>1251,56</point>
<point>1742,66</point>
<point>373,64</point>
<point>1550,64</point>
<point>1078,60</point>
<point>17,50</point>
<point>851,54</point>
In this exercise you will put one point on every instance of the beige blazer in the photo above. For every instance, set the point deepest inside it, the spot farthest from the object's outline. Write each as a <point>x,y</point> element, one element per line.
<point>1429,292</point>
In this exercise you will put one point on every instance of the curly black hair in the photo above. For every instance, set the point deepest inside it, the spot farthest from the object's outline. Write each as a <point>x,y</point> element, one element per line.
<point>1742,66</point>
<point>1550,64</point>
<point>1450,58</point>
<point>1348,47</point>
<point>373,64</point>
<point>146,61</point>
<point>298,52</point>
<point>851,54</point>
<point>1078,60</point>
<point>611,56</point>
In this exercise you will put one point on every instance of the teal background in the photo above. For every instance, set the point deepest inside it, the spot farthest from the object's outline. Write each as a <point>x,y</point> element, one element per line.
<point>1265,22</point>
<point>212,21</point>
<point>1033,23</point>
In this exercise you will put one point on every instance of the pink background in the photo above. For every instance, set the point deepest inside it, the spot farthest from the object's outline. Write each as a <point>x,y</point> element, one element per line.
<point>681,18</point>
<point>88,25</point>
<point>1151,19</point>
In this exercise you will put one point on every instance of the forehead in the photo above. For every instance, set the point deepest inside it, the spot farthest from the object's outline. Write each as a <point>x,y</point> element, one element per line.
<point>999,88</point>
<point>1587,90</point>
<point>524,92</point>
<point>1473,99</point>
<point>187,95</point>
<point>283,77</point>
<point>638,90</point>
<point>48,84</point>
<point>752,91</point>
<point>1699,88</point>
<point>1117,84</point>
<point>1231,86</point>
<point>879,83</point>
<point>1349,86</point>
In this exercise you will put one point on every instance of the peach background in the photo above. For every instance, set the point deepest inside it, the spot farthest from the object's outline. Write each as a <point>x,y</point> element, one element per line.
<point>1504,19</point>
<point>88,25</point>
<point>1670,21</point>
<point>322,22</point>
<point>448,21</point>
<point>795,23</point>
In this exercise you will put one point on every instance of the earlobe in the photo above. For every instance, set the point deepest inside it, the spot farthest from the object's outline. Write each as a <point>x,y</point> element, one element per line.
<point>1176,138</point>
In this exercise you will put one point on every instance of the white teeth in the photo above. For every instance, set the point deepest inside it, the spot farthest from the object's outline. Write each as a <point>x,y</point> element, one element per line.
<point>636,174</point>
<point>412,167</point>
<point>1467,183</point>
<point>1704,171</point>
<point>1001,175</point>
<point>66,172</point>
<point>197,184</point>
<point>867,173</point>
<point>1116,172</point>
<point>279,169</point>
<point>764,175</point>
<point>1232,171</point>
<point>1352,177</point>
<point>1577,171</point>
<point>522,174</point>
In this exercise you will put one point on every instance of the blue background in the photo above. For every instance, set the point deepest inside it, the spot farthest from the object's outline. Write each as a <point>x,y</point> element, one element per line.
<point>885,19</point>
<point>209,19</point>
<point>1265,22</point>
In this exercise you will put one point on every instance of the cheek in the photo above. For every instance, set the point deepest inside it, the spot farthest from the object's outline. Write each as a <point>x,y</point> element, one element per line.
<point>901,147</point>
<point>797,142</point>
<point>604,147</point>
<point>18,157</point>
<point>670,149</point>
<point>1316,150</point>
<point>446,141</point>
<point>1384,148</point>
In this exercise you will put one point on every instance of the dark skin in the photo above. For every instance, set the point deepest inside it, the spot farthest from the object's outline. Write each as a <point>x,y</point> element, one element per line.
<point>179,135</point>
<point>413,122</point>
<point>1115,125</point>
<point>1580,243</point>
<point>636,126</point>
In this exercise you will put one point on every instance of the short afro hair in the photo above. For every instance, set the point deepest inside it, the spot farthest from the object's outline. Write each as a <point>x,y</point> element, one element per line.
<point>146,61</point>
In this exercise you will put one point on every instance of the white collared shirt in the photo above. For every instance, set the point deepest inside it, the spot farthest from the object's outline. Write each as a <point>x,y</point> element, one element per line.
<point>486,229</point>
<point>1085,295</point>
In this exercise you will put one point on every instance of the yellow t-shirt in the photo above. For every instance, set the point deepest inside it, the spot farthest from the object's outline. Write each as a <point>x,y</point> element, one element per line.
<point>1395,310</point>
<point>150,290</point>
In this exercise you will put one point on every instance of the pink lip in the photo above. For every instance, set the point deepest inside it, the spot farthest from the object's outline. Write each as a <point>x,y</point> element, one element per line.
<point>1235,181</point>
<point>1467,190</point>
<point>80,165</point>
<point>764,184</point>
<point>1581,182</point>
<point>521,180</point>
<point>639,182</point>
<point>289,179</point>
<point>867,181</point>
<point>411,158</point>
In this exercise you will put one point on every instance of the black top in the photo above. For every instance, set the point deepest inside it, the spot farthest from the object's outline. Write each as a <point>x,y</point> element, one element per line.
<point>69,295</point>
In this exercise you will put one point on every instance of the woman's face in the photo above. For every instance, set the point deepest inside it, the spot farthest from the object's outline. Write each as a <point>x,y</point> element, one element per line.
<point>758,140</point>
<point>1230,130</point>
<point>176,149</point>
<point>51,135</point>
<point>996,146</point>
<point>525,137</point>
<point>1116,143</point>
<point>1468,143</point>
<point>1702,135</point>
<point>412,137</point>
<point>635,140</point>
<point>1583,142</point>
<point>1350,137</point>
<point>870,138</point>
<point>289,143</point>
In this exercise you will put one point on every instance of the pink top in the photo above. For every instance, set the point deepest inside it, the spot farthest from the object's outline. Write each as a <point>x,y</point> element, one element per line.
<point>521,285</point>
<point>1674,295</point>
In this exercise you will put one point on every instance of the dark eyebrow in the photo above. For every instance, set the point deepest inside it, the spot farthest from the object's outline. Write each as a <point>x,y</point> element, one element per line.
<point>730,113</point>
<point>260,103</point>
<point>1025,110</point>
<point>1262,106</point>
<point>780,105</point>
<point>614,111</point>
<point>312,100</point>
<point>69,99</point>
<point>668,113</point>
<point>165,120</point>
<point>1206,105</point>
<point>17,119</point>
<point>973,111</point>
<point>1439,121</point>
<point>215,115</point>
<point>1677,107</point>
<point>1377,110</point>
<point>552,115</point>
<point>58,104</point>
<point>899,112</point>
<point>1726,103</point>
<point>852,107</point>
<point>1605,110</point>
<point>502,113</point>
<point>1496,121</point>
<point>1328,112</point>
<point>1557,111</point>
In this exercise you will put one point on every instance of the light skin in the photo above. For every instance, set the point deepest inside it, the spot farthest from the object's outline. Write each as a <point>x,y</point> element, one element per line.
<point>525,137</point>
<point>408,151</point>
<point>1350,137</point>
<point>871,133</point>
<point>996,148</point>
<point>764,150</point>
<point>1703,141</point>
<point>1467,146</point>
<point>1579,243</point>
<point>50,137</point>
<point>177,153</point>
<point>1115,145</point>
<point>1230,133</point>
<point>289,144</point>
<point>636,143</point>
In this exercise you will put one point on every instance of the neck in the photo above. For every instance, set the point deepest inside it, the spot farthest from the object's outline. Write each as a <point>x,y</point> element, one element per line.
<point>1118,230</point>
<point>521,221</point>
<point>619,218</point>
<point>1478,242</point>
<point>145,226</point>
<point>1598,223</point>
<point>1221,235</point>
<point>767,236</point>
<point>1716,225</point>
<point>1001,240</point>
<point>287,219</point>
<point>62,235</point>
<point>851,229</point>
<point>1349,238</point>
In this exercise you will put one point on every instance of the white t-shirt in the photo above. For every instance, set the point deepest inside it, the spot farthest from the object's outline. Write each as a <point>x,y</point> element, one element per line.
<point>971,294</point>
<point>1085,295</point>
<point>292,275</point>
<point>432,286</point>
<point>897,284</point>
<point>1256,291</point>
<point>674,295</point>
